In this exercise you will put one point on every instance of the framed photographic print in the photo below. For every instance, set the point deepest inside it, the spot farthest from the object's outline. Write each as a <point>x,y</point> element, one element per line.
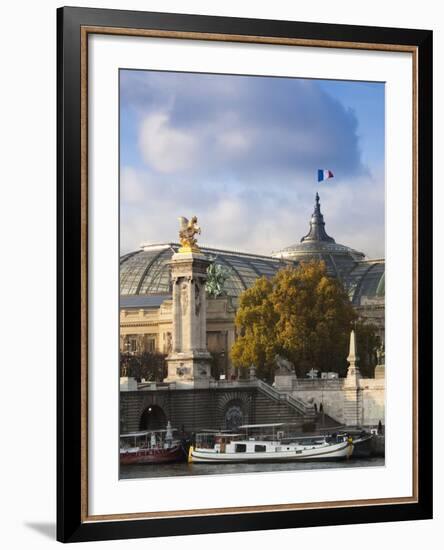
<point>244,289</point>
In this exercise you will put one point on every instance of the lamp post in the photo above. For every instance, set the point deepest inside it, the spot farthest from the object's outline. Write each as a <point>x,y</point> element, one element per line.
<point>322,404</point>
<point>223,365</point>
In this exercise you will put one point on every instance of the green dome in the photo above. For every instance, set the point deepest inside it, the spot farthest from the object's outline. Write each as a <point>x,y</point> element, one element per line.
<point>317,245</point>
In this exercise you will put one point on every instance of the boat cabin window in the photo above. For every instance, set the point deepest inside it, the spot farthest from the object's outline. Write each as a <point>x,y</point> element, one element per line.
<point>241,448</point>
<point>260,449</point>
<point>205,440</point>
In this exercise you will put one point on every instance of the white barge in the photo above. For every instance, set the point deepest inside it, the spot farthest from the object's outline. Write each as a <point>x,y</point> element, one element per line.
<point>224,447</point>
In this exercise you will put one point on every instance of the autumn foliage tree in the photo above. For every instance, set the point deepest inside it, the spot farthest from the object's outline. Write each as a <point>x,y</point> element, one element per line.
<point>302,314</point>
<point>255,321</point>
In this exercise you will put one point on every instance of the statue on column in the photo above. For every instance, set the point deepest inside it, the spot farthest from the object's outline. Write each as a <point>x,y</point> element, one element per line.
<point>217,275</point>
<point>189,361</point>
<point>187,231</point>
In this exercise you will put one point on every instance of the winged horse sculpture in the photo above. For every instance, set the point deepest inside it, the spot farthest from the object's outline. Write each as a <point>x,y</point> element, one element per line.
<point>187,231</point>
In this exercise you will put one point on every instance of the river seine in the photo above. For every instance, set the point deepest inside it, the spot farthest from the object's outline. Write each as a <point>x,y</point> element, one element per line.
<point>134,471</point>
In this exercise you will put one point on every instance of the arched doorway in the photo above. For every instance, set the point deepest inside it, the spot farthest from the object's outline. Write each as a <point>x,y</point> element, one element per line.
<point>153,418</point>
<point>233,415</point>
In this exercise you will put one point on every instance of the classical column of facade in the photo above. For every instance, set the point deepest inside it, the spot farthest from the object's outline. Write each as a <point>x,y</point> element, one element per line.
<point>352,392</point>
<point>231,338</point>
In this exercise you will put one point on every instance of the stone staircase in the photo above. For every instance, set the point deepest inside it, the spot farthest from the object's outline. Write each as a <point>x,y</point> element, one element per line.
<point>293,402</point>
<point>324,421</point>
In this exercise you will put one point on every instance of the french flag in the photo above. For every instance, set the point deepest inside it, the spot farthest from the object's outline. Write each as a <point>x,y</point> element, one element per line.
<point>324,175</point>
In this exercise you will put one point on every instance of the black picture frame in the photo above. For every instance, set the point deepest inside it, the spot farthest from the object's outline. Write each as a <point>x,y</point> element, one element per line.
<point>72,524</point>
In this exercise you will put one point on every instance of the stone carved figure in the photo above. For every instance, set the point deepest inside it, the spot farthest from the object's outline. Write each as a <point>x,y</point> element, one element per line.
<point>187,231</point>
<point>233,417</point>
<point>184,297</point>
<point>380,354</point>
<point>168,339</point>
<point>284,365</point>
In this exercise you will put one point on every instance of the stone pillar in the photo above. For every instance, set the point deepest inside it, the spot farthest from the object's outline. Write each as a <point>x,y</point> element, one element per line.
<point>231,338</point>
<point>189,361</point>
<point>352,391</point>
<point>284,380</point>
<point>175,336</point>
<point>128,383</point>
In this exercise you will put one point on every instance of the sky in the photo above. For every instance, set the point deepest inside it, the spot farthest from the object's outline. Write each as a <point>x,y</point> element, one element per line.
<point>242,153</point>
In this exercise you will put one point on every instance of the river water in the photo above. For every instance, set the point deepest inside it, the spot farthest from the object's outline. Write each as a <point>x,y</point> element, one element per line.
<point>134,471</point>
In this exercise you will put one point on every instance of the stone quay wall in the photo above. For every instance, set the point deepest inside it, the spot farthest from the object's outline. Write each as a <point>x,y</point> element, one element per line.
<point>203,409</point>
<point>363,404</point>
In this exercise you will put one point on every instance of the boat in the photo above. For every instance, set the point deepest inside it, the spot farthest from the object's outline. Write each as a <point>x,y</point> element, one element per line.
<point>363,440</point>
<point>362,444</point>
<point>151,447</point>
<point>225,447</point>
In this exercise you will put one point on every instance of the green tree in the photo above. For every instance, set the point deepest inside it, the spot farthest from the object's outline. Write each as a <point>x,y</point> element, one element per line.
<point>367,341</point>
<point>150,365</point>
<point>302,314</point>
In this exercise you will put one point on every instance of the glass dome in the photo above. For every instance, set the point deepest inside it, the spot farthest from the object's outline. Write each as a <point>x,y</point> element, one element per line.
<point>366,283</point>
<point>147,271</point>
<point>317,245</point>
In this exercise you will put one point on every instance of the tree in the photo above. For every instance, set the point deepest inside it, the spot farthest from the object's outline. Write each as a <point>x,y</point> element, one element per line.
<point>367,341</point>
<point>149,365</point>
<point>302,314</point>
<point>255,321</point>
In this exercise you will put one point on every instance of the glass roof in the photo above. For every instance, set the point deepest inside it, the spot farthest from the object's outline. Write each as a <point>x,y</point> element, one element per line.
<point>147,271</point>
<point>366,282</point>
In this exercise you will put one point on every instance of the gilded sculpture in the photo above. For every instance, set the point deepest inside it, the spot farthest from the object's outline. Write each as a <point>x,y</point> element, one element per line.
<point>187,231</point>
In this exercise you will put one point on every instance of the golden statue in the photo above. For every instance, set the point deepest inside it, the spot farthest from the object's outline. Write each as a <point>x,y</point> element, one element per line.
<point>188,229</point>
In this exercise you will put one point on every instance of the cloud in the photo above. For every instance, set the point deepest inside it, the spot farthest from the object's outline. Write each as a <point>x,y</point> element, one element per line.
<point>249,220</point>
<point>165,148</point>
<point>250,124</point>
<point>132,188</point>
<point>242,154</point>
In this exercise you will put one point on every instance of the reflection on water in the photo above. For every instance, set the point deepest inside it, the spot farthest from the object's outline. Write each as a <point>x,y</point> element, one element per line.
<point>183,469</point>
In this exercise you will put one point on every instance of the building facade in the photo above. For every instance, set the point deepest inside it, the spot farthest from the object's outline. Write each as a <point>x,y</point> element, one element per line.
<point>146,316</point>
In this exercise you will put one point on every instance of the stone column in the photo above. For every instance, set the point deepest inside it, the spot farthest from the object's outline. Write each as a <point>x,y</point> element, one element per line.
<point>176,345</point>
<point>231,338</point>
<point>352,391</point>
<point>189,361</point>
<point>200,289</point>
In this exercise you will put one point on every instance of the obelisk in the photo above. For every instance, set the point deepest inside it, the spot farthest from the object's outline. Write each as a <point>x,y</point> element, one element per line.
<point>189,360</point>
<point>352,389</point>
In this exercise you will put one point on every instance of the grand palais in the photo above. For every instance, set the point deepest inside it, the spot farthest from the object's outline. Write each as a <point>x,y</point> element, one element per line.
<point>146,299</point>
